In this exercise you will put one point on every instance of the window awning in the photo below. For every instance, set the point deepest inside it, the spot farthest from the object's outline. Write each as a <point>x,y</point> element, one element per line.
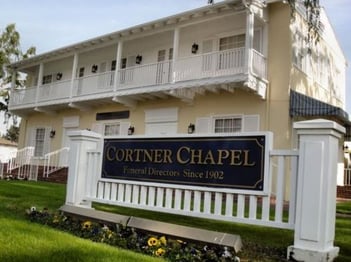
<point>302,105</point>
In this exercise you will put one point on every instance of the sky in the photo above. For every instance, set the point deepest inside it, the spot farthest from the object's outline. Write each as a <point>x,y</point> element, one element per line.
<point>49,24</point>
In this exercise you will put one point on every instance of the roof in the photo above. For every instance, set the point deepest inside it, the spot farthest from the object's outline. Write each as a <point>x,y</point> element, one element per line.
<point>149,27</point>
<point>5,142</point>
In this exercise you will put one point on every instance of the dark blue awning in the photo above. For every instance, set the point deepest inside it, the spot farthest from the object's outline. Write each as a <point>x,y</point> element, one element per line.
<point>302,105</point>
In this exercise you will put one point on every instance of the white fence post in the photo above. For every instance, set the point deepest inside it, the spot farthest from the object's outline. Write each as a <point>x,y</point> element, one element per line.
<point>80,143</point>
<point>316,191</point>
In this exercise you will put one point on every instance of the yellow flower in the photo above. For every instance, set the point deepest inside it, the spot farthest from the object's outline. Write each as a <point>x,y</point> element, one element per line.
<point>153,241</point>
<point>163,240</point>
<point>160,252</point>
<point>87,225</point>
<point>56,220</point>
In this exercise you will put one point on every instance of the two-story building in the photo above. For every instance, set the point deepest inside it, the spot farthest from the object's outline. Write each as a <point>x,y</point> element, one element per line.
<point>233,66</point>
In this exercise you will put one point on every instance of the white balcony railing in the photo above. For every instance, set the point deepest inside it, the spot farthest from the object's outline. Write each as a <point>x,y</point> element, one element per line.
<point>92,84</point>
<point>209,65</point>
<point>54,91</point>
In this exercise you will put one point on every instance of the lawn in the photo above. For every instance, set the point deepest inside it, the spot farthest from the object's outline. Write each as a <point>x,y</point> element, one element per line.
<point>21,240</point>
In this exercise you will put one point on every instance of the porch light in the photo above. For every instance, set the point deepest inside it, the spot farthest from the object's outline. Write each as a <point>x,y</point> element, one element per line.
<point>58,76</point>
<point>138,59</point>
<point>52,133</point>
<point>191,128</point>
<point>131,130</point>
<point>94,68</point>
<point>194,48</point>
<point>346,149</point>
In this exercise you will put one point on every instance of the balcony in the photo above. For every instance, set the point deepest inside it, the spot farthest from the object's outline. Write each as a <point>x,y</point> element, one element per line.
<point>190,73</point>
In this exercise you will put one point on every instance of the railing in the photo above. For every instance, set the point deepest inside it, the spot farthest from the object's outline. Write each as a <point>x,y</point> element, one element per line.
<point>23,96</point>
<point>216,64</point>
<point>347,177</point>
<point>54,91</point>
<point>145,75</point>
<point>92,84</point>
<point>259,64</point>
<point>55,160</point>
<point>212,203</point>
<point>210,65</point>
<point>20,158</point>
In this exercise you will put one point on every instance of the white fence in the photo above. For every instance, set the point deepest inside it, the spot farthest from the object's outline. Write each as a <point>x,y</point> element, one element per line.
<point>212,203</point>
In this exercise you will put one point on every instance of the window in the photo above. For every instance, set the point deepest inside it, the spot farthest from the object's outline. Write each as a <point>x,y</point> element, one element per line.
<point>299,53</point>
<point>112,129</point>
<point>39,142</point>
<point>47,79</point>
<point>113,65</point>
<point>228,124</point>
<point>231,42</point>
<point>81,72</point>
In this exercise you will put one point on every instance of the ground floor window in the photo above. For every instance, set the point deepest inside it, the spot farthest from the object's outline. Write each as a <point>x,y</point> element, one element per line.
<point>112,129</point>
<point>39,138</point>
<point>228,124</point>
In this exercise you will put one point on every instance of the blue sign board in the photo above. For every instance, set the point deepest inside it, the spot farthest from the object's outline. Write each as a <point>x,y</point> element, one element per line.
<point>236,162</point>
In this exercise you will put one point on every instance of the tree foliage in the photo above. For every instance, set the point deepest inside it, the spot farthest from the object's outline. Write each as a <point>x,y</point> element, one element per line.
<point>10,51</point>
<point>12,133</point>
<point>312,15</point>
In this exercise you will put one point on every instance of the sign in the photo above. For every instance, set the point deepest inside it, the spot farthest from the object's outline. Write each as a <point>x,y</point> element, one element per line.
<point>236,162</point>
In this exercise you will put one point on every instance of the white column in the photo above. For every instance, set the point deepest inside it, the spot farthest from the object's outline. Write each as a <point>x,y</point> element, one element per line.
<point>316,191</point>
<point>249,34</point>
<point>175,52</point>
<point>13,80</point>
<point>74,72</point>
<point>40,79</point>
<point>80,143</point>
<point>118,64</point>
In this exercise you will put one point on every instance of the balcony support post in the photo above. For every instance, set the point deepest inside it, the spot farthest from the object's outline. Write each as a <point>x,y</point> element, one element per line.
<point>13,80</point>
<point>74,70</point>
<point>40,79</point>
<point>249,39</point>
<point>175,52</point>
<point>118,64</point>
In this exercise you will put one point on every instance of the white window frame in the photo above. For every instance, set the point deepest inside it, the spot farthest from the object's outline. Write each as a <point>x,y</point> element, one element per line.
<point>47,79</point>
<point>45,147</point>
<point>111,123</point>
<point>227,117</point>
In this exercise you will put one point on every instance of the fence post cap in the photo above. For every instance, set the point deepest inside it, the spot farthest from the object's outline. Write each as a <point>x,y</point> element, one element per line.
<point>319,124</point>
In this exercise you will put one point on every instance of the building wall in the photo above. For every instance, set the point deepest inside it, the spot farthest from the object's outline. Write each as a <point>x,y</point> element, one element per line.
<point>208,105</point>
<point>279,70</point>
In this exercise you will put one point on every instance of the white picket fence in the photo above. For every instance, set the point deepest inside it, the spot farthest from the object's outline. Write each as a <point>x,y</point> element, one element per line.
<point>213,203</point>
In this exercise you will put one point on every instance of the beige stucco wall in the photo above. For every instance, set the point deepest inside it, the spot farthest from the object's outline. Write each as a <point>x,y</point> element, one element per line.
<point>212,104</point>
<point>279,69</point>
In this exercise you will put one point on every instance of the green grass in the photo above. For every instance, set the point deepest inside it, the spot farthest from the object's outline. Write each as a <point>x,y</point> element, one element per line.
<point>21,240</point>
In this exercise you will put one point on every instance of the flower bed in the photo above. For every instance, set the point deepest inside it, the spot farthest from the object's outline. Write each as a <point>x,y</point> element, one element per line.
<point>171,249</point>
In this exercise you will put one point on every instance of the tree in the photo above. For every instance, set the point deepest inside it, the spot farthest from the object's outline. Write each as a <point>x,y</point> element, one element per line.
<point>10,51</point>
<point>312,8</point>
<point>12,133</point>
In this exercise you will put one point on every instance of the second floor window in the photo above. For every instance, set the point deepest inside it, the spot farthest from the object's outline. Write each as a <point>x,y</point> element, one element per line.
<point>231,42</point>
<point>47,79</point>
